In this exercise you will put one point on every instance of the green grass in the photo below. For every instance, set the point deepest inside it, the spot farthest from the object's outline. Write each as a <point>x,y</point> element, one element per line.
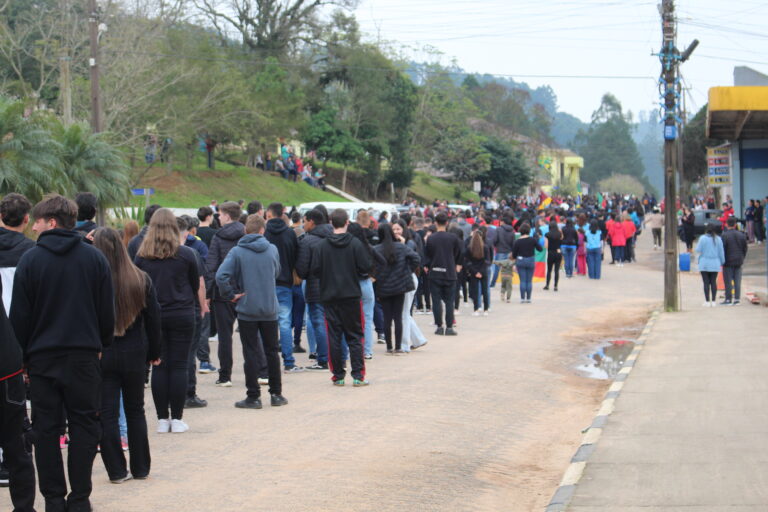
<point>428,188</point>
<point>192,188</point>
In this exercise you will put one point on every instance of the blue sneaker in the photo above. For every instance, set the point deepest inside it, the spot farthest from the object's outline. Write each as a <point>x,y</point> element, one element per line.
<point>206,367</point>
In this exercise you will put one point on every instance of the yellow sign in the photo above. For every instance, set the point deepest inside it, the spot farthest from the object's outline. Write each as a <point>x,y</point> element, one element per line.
<point>719,165</point>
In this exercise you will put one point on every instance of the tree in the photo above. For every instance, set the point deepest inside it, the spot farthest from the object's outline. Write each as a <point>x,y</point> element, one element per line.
<point>622,184</point>
<point>29,158</point>
<point>607,146</point>
<point>508,170</point>
<point>695,143</point>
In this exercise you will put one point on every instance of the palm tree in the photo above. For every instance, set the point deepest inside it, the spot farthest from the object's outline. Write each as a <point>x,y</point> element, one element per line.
<point>29,158</point>
<point>92,164</point>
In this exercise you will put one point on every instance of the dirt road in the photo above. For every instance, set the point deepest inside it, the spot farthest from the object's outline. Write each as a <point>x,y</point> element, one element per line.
<point>487,420</point>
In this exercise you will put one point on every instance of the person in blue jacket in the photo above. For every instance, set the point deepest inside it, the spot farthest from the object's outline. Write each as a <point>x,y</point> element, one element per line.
<point>711,258</point>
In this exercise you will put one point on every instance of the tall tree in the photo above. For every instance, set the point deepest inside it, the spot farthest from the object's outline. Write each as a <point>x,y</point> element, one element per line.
<point>695,143</point>
<point>508,169</point>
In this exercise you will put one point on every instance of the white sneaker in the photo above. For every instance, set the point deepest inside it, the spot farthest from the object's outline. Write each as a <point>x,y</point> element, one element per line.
<point>485,313</point>
<point>178,426</point>
<point>163,426</point>
<point>476,313</point>
<point>214,339</point>
<point>263,381</point>
<point>713,304</point>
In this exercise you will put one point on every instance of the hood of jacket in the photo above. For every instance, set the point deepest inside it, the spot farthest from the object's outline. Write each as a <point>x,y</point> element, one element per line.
<point>276,226</point>
<point>507,228</point>
<point>322,231</point>
<point>340,240</point>
<point>59,241</point>
<point>232,231</point>
<point>254,242</point>
<point>10,239</point>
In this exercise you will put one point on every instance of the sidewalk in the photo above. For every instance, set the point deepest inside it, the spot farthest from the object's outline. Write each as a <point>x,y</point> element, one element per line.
<point>689,429</point>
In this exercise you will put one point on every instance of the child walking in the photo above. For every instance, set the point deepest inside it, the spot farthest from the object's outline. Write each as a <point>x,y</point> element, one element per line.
<point>506,266</point>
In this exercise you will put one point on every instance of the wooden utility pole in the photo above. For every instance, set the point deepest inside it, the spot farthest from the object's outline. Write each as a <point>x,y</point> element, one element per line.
<point>66,87</point>
<point>93,64</point>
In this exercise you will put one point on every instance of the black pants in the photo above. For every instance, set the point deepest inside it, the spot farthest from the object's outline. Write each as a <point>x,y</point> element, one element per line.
<point>192,356</point>
<point>253,336</point>
<point>122,367</point>
<point>710,285</point>
<point>629,250</point>
<point>553,263</point>
<point>225,323</point>
<point>169,379</point>
<point>68,383</point>
<point>345,318</point>
<point>13,413</point>
<point>461,288</point>
<point>393,310</point>
<point>732,278</point>
<point>423,298</point>
<point>442,294</point>
<point>479,286</point>
<point>656,236</point>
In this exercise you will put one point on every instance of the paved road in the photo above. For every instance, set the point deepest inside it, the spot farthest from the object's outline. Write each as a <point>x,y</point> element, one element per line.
<point>487,420</point>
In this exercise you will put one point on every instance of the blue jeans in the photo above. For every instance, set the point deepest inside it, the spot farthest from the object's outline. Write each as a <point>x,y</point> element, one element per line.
<point>369,301</point>
<point>122,421</point>
<point>618,252</point>
<point>593,263</point>
<point>569,251</point>
<point>525,267</point>
<point>285,300</point>
<point>500,256</point>
<point>316,331</point>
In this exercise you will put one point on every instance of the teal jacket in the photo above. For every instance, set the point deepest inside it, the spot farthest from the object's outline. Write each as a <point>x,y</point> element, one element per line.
<point>711,253</point>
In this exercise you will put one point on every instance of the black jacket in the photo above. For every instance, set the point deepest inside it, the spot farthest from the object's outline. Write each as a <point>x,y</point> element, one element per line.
<point>443,252</point>
<point>570,236</point>
<point>12,246</point>
<point>10,351</point>
<point>176,281</point>
<point>223,241</point>
<point>472,266</point>
<point>735,246</point>
<point>146,326</point>
<point>395,278</point>
<point>339,261</point>
<point>135,243</point>
<point>284,238</point>
<point>306,254</point>
<point>505,238</point>
<point>62,297</point>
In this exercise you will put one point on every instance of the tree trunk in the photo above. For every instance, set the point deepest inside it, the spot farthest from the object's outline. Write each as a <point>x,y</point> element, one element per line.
<point>344,180</point>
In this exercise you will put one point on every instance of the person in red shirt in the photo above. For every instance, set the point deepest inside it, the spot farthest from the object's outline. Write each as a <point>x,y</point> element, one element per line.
<point>629,235</point>
<point>608,228</point>
<point>727,212</point>
<point>618,240</point>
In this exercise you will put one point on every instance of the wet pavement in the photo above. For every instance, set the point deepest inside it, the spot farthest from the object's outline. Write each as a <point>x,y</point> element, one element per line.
<point>607,360</point>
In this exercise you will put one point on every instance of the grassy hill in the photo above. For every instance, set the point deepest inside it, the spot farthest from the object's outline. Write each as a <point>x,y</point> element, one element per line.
<point>427,188</point>
<point>195,187</point>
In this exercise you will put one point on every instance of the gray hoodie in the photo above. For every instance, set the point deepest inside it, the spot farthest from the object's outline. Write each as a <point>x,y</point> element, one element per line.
<point>252,266</point>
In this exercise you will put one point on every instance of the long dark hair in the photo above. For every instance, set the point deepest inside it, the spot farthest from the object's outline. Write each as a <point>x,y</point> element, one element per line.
<point>387,242</point>
<point>406,231</point>
<point>476,245</point>
<point>593,226</point>
<point>129,283</point>
<point>554,228</point>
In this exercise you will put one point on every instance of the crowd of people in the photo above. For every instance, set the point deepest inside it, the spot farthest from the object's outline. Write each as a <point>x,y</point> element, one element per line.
<point>292,166</point>
<point>141,307</point>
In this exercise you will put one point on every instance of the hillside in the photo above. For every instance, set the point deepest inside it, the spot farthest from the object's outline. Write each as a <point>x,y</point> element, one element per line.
<point>427,188</point>
<point>192,188</point>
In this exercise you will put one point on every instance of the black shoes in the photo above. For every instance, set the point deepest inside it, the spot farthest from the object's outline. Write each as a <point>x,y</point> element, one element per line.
<point>312,355</point>
<point>195,402</point>
<point>277,400</point>
<point>249,403</point>
<point>546,287</point>
<point>317,366</point>
<point>440,331</point>
<point>451,332</point>
<point>298,349</point>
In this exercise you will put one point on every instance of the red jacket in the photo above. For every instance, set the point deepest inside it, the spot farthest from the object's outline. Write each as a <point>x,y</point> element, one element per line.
<point>629,229</point>
<point>618,236</point>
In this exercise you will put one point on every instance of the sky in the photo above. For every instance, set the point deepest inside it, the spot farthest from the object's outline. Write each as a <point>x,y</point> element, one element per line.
<point>581,48</point>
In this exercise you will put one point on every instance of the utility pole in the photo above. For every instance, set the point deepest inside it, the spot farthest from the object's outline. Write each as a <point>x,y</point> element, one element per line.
<point>670,78</point>
<point>93,64</point>
<point>66,87</point>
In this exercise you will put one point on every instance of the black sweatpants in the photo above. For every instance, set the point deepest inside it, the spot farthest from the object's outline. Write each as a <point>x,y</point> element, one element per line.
<point>192,356</point>
<point>224,313</point>
<point>442,295</point>
<point>656,236</point>
<point>553,263</point>
<point>71,383</point>
<point>710,285</point>
<point>169,379</point>
<point>393,310</point>
<point>423,298</point>
<point>478,286</point>
<point>13,412</point>
<point>122,367</point>
<point>345,317</point>
<point>253,336</point>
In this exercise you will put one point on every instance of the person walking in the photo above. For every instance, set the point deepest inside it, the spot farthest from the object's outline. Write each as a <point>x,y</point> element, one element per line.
<point>569,246</point>
<point>711,258</point>
<point>442,253</point>
<point>123,364</point>
<point>689,231</point>
<point>524,254</point>
<point>503,242</point>
<point>735,248</point>
<point>223,241</point>
<point>247,278</point>
<point>506,272</point>
<point>581,253</point>
<point>477,258</point>
<point>393,281</point>
<point>618,239</point>
<point>594,245</point>
<point>366,289</point>
<point>340,261</point>
<point>554,239</point>
<point>656,222</point>
<point>173,269</point>
<point>62,328</point>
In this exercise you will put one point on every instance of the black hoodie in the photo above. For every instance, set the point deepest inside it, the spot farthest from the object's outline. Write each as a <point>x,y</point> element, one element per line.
<point>223,241</point>
<point>62,297</point>
<point>340,261</point>
<point>10,352</point>
<point>284,238</point>
<point>12,246</point>
<point>307,253</point>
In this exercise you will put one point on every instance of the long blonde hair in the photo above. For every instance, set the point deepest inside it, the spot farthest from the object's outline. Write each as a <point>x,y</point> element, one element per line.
<point>162,240</point>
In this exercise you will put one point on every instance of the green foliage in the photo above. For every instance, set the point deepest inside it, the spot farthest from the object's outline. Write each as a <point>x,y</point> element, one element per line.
<point>508,169</point>
<point>328,136</point>
<point>695,143</point>
<point>428,188</point>
<point>622,184</point>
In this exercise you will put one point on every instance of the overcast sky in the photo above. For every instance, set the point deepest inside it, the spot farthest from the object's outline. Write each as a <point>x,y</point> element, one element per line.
<point>525,39</point>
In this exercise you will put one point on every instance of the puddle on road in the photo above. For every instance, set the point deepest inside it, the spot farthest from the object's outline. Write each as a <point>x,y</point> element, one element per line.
<point>607,360</point>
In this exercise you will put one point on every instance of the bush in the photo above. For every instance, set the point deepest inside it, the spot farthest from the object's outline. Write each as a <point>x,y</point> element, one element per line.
<point>622,184</point>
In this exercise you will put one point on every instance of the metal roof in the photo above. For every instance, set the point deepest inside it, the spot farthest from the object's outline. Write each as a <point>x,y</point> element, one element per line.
<point>737,113</point>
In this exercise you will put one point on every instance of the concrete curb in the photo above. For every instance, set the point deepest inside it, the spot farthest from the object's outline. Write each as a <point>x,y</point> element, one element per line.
<point>562,497</point>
